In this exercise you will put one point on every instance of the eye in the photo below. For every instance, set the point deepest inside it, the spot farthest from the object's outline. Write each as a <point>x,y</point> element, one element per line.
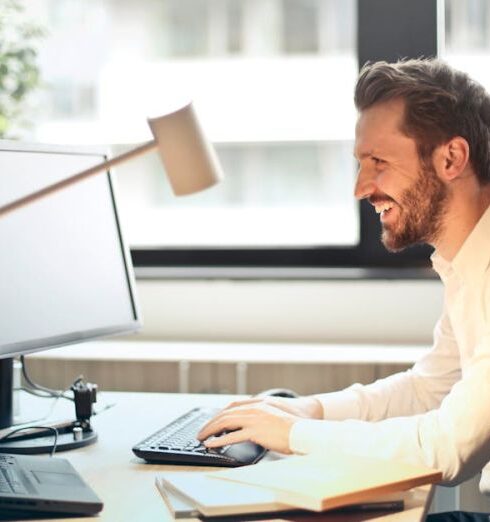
<point>377,161</point>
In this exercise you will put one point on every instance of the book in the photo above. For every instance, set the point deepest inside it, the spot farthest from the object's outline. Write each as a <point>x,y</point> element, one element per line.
<point>190,494</point>
<point>178,506</point>
<point>195,494</point>
<point>318,483</point>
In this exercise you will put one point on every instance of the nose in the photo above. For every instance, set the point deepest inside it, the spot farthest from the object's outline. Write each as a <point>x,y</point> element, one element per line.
<point>365,183</point>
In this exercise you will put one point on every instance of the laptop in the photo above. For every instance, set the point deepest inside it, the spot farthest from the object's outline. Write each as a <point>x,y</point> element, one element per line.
<point>43,485</point>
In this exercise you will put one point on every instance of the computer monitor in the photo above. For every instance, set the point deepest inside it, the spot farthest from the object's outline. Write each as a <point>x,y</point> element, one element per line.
<point>65,271</point>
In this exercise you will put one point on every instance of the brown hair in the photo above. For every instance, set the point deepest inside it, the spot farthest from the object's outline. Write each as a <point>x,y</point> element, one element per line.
<point>440,103</point>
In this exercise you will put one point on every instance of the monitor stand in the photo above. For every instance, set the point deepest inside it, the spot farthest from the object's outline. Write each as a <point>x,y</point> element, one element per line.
<point>71,434</point>
<point>6,392</point>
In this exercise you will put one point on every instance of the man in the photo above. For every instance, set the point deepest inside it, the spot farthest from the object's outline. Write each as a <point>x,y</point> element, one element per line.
<point>423,147</point>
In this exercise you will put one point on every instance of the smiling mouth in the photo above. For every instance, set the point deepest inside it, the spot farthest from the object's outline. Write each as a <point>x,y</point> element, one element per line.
<point>383,207</point>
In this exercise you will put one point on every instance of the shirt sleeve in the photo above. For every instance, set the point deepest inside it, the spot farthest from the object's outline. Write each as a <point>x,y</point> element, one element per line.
<point>414,391</point>
<point>454,438</point>
<point>434,415</point>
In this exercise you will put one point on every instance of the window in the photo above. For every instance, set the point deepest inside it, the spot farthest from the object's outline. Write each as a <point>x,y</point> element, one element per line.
<point>467,38</point>
<point>272,82</point>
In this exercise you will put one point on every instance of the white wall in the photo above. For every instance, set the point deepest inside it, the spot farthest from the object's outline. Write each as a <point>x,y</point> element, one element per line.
<point>290,311</point>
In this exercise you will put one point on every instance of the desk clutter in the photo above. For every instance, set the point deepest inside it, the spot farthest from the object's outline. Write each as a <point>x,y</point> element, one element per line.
<point>315,483</point>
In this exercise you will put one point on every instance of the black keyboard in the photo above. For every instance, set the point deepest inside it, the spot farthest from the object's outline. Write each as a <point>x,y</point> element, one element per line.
<point>176,443</point>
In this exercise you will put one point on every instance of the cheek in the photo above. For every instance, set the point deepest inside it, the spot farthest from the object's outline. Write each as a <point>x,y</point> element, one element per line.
<point>407,174</point>
<point>395,181</point>
<point>386,182</point>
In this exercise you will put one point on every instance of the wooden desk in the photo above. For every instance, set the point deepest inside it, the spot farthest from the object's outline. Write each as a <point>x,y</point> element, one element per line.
<point>125,483</point>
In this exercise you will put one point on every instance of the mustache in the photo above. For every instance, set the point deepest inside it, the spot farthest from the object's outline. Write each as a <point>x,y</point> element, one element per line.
<point>375,199</point>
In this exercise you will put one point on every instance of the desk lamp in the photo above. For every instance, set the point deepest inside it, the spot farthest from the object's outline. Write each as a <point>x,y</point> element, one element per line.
<point>190,162</point>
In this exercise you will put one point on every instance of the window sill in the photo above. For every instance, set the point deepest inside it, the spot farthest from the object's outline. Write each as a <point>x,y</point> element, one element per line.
<point>249,353</point>
<point>280,273</point>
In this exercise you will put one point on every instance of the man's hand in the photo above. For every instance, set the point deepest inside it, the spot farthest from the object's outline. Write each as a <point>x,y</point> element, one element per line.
<point>266,421</point>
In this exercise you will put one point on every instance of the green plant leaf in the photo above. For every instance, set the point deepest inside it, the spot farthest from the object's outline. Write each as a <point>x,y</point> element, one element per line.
<point>19,71</point>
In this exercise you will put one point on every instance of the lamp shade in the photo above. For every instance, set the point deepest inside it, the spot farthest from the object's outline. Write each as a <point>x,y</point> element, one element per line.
<point>189,160</point>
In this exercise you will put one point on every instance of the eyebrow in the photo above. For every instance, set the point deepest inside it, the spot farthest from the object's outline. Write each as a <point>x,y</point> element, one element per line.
<point>363,154</point>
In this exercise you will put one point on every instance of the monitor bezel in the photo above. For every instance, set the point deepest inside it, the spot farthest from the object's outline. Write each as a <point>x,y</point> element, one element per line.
<point>100,154</point>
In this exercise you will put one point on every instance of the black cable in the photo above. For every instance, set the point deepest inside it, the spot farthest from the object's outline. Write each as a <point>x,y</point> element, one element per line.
<point>50,428</point>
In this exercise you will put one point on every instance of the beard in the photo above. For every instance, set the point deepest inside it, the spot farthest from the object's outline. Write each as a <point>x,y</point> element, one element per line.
<point>422,209</point>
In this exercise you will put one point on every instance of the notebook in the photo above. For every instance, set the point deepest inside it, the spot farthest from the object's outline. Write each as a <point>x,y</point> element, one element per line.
<point>47,485</point>
<point>195,494</point>
<point>319,482</point>
<point>204,496</point>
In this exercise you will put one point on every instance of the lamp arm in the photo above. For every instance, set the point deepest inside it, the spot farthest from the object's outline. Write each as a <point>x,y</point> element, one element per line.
<point>50,189</point>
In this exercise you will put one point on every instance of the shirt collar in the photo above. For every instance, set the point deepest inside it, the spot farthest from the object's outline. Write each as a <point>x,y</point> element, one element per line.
<point>472,258</point>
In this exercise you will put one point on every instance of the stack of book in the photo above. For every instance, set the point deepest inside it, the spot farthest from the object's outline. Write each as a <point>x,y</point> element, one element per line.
<point>311,483</point>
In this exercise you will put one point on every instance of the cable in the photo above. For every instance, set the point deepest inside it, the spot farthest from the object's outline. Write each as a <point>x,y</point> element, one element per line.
<point>52,406</point>
<point>44,391</point>
<point>31,383</point>
<point>37,393</point>
<point>48,393</point>
<point>50,428</point>
<point>104,408</point>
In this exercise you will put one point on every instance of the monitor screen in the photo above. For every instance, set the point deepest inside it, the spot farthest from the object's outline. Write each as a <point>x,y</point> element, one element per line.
<point>65,274</point>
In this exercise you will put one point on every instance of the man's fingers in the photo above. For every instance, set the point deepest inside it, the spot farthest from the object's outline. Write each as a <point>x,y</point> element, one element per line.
<point>216,425</point>
<point>234,418</point>
<point>228,438</point>
<point>224,421</point>
<point>242,402</point>
<point>263,424</point>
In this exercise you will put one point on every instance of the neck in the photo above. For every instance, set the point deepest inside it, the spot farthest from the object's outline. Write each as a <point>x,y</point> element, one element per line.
<point>462,215</point>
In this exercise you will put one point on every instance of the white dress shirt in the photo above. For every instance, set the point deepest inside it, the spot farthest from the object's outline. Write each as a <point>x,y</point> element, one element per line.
<point>437,413</point>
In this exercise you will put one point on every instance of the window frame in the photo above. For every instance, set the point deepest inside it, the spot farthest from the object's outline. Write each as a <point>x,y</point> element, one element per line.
<point>386,30</point>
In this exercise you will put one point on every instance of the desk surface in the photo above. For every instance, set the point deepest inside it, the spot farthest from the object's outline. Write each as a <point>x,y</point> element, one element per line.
<point>124,482</point>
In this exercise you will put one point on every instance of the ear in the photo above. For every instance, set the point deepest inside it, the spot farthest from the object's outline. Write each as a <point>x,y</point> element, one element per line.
<point>452,158</point>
